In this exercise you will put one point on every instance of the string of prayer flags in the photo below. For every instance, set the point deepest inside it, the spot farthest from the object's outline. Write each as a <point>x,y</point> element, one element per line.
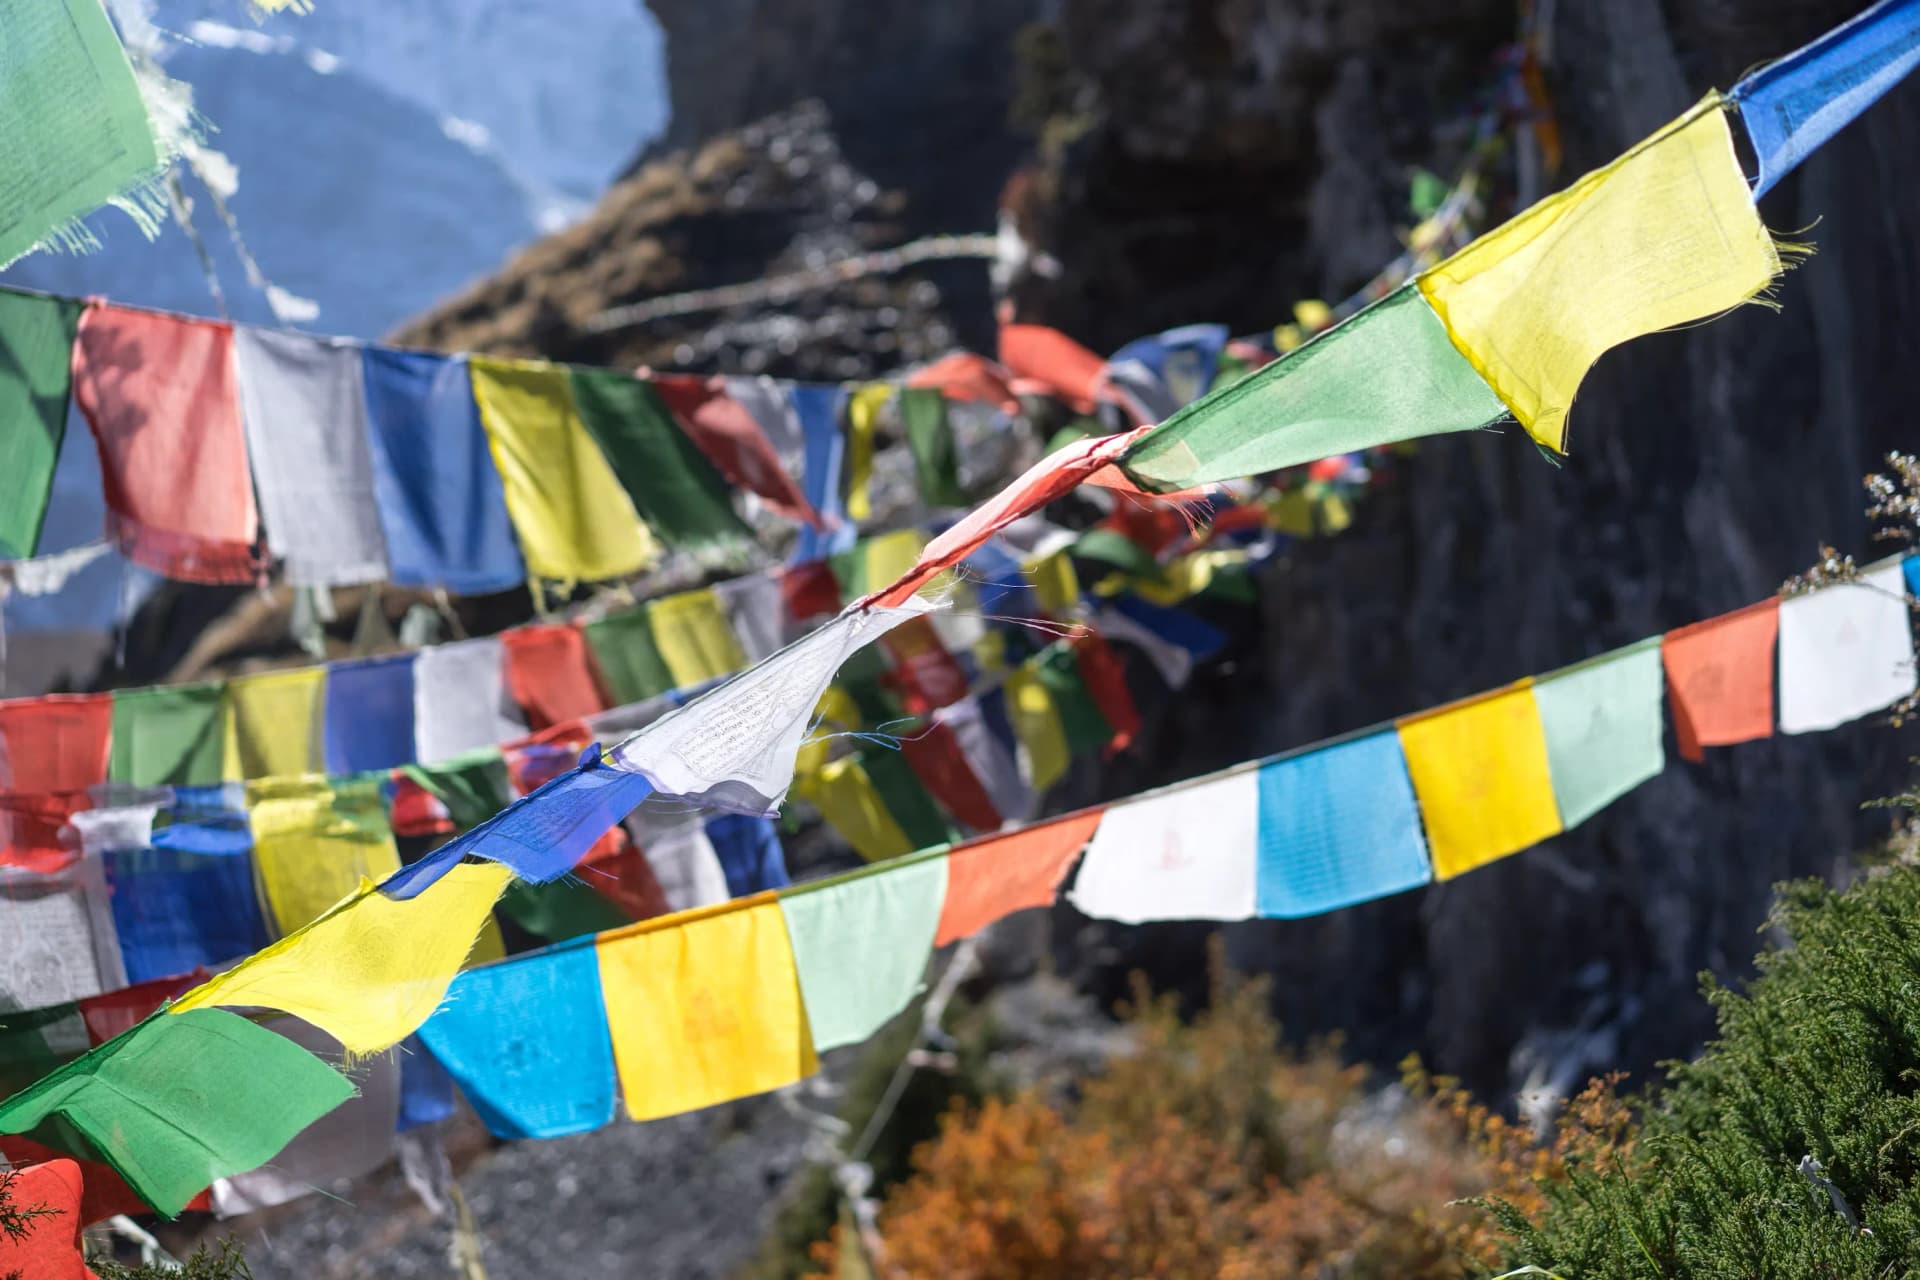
<point>1603,728</point>
<point>1337,826</point>
<point>1720,678</point>
<point>1845,651</point>
<point>305,410</point>
<point>1675,211</point>
<point>990,879</point>
<point>861,946</point>
<point>52,749</point>
<point>313,842</point>
<point>443,510</point>
<point>170,735</point>
<point>1188,854</point>
<point>529,1044</point>
<point>551,675</point>
<point>575,522</point>
<point>731,437</point>
<point>1480,770</point>
<point>158,393</point>
<point>1792,106</point>
<point>369,714</point>
<point>854,807</point>
<point>1387,373</point>
<point>275,723</point>
<point>706,1011</point>
<point>36,345</point>
<point>936,461</point>
<point>691,633</point>
<point>460,699</point>
<point>674,487</point>
<point>823,455</point>
<point>181,1100</point>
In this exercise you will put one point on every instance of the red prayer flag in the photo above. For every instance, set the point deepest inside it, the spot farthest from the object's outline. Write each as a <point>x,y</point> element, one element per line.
<point>966,376</point>
<point>733,441</point>
<point>1720,678</point>
<point>416,810</point>
<point>109,1015</point>
<point>51,750</point>
<point>924,675</point>
<point>996,877</point>
<point>1105,676</point>
<point>809,590</point>
<point>48,1247</point>
<point>1057,363</point>
<point>937,759</point>
<point>621,874</point>
<point>551,674</point>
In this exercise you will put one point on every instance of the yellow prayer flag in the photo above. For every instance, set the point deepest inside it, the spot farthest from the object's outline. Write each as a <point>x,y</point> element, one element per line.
<point>274,724</point>
<point>1480,771</point>
<point>863,415</point>
<point>1055,584</point>
<point>851,804</point>
<point>371,970</point>
<point>1187,576</point>
<point>690,629</point>
<point>1664,235</point>
<point>575,521</point>
<point>890,556</point>
<point>704,1008</point>
<point>1291,513</point>
<point>1036,722</point>
<point>312,843</point>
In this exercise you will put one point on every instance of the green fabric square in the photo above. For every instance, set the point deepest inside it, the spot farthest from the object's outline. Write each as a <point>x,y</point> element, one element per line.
<point>629,657</point>
<point>167,736</point>
<point>675,489</point>
<point>36,347</point>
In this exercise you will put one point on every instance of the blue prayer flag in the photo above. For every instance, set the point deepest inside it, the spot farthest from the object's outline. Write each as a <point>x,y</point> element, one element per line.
<point>1338,826</point>
<point>369,714</point>
<point>426,1090</point>
<point>1175,626</point>
<point>1184,360</point>
<point>173,910</point>
<point>817,406</point>
<point>749,851</point>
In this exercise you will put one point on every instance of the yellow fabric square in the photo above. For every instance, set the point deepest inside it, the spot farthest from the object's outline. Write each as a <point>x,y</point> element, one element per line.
<point>575,521</point>
<point>890,556</point>
<point>313,843</point>
<point>274,724</point>
<point>863,416</point>
<point>1480,771</point>
<point>1036,722</point>
<point>1665,235</point>
<point>851,804</point>
<point>1055,584</point>
<point>373,969</point>
<point>704,1009</point>
<point>694,640</point>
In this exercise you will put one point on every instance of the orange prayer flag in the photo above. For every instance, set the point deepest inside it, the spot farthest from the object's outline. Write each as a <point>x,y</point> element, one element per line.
<point>999,876</point>
<point>1720,678</point>
<point>1049,357</point>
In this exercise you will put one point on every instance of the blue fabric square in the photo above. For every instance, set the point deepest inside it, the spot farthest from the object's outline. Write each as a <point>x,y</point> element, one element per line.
<point>817,406</point>
<point>1175,626</point>
<point>174,910</point>
<point>369,714</point>
<point>426,1090</point>
<point>749,851</point>
<point>1337,827</point>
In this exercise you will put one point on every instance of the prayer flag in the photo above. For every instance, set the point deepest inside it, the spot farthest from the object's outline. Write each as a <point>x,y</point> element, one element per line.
<point>276,723</point>
<point>1480,770</point>
<point>818,409</point>
<point>625,652</point>
<point>1055,584</point>
<point>1053,361</point>
<point>563,909</point>
<point>863,416</point>
<point>936,758</point>
<point>854,807</point>
<point>1603,726</point>
<point>426,1090</point>
<point>372,969</point>
<point>472,786</point>
<point>753,609</point>
<point>936,463</point>
<point>36,345</point>
<point>574,520</point>
<point>442,508</point>
<point>990,758</point>
<point>692,635</point>
<point>52,749</point>
<point>460,700</point>
<point>1664,235</point>
<point>1036,719</point>
<point>673,486</point>
<point>749,851</point>
<point>37,1041</point>
<point>369,714</point>
<point>704,1009</point>
<point>1720,677</point>
<point>313,843</point>
<point>1057,667</point>
<point>991,879</point>
<point>684,859</point>
<point>767,403</point>
<point>1845,651</point>
<point>1187,854</point>
<point>175,911</point>
<point>107,1193</point>
<point>861,946</point>
<point>159,394</point>
<point>114,1013</point>
<point>1104,677</point>
<point>1181,362</point>
<point>171,735</point>
<point>1338,826</point>
<point>305,410</point>
<point>529,1044</point>
<point>551,675</point>
<point>905,797</point>
<point>732,439</point>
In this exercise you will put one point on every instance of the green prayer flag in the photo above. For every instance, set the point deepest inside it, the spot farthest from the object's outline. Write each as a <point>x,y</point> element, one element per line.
<point>167,736</point>
<point>178,1101</point>
<point>1602,721</point>
<point>76,132</point>
<point>936,465</point>
<point>1387,373</point>
<point>1117,551</point>
<point>560,909</point>
<point>35,1042</point>
<point>472,786</point>
<point>673,486</point>
<point>1058,670</point>
<point>861,946</point>
<point>906,797</point>
<point>36,348</point>
<point>629,657</point>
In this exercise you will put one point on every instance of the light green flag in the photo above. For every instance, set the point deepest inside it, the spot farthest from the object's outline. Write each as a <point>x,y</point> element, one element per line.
<point>73,129</point>
<point>1388,373</point>
<point>861,946</point>
<point>168,736</point>
<point>1603,727</point>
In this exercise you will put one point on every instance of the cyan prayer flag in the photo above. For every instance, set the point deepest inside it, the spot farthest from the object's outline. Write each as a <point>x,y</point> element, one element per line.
<point>529,1044</point>
<point>369,720</point>
<point>1338,826</point>
<point>173,911</point>
<point>817,407</point>
<point>749,851</point>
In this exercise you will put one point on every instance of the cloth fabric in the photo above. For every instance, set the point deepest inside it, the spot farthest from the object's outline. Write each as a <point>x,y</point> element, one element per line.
<point>733,748</point>
<point>107,1193</point>
<point>767,403</point>
<point>1338,826</point>
<point>460,700</point>
<point>528,1042</point>
<point>690,630</point>
<point>1845,651</point>
<point>180,1101</point>
<point>674,487</point>
<point>1187,854</point>
<point>936,460</point>
<point>36,345</point>
<point>703,1010</point>
<point>1388,373</point>
<point>442,509</point>
<point>863,418</point>
<point>57,941</point>
<point>115,1013</point>
<point>1055,362</point>
<point>1604,728</point>
<point>627,656</point>
<point>561,909</point>
<point>1792,106</point>
<point>369,714</point>
<point>1720,678</point>
<point>817,408</point>
<point>353,1139</point>
<point>937,760</point>
<point>37,1041</point>
<point>731,437</point>
<point>1104,677</point>
<point>1675,210</point>
<point>991,879</point>
<point>810,590</point>
<point>750,853</point>
<point>615,871</point>
<point>175,911</point>
<point>119,826</point>
<point>47,1246</point>
<point>371,970</point>
<point>1164,633</point>
<point>158,393</point>
<point>52,749</point>
<point>854,807</point>
<point>1055,584</point>
<point>683,857</point>
<point>471,787</point>
<point>861,946</point>
<point>171,735</point>
<point>1180,362</point>
<point>1037,722</point>
<point>967,378</point>
<point>1481,773</point>
<point>426,1090</point>
<point>551,674</point>
<point>753,611</point>
<point>905,797</point>
<point>989,760</point>
<point>924,675</point>
<point>314,842</point>
<point>1058,668</point>
<point>305,410</point>
<point>276,723</point>
<point>574,520</point>
<point>66,153</point>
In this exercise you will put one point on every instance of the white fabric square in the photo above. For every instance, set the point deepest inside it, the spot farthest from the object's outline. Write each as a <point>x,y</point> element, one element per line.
<point>1845,651</point>
<point>1190,854</point>
<point>460,700</point>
